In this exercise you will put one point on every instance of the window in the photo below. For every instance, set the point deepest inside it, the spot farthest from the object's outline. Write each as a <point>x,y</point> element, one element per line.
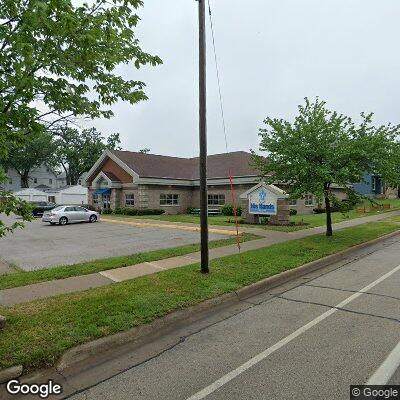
<point>292,202</point>
<point>95,199</point>
<point>50,181</point>
<point>34,180</point>
<point>69,209</point>
<point>169,199</point>
<point>309,200</point>
<point>373,183</point>
<point>216,199</point>
<point>129,199</point>
<point>80,182</point>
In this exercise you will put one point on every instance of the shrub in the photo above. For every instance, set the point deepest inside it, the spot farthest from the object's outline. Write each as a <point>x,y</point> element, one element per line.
<point>107,211</point>
<point>227,210</point>
<point>89,207</point>
<point>292,211</point>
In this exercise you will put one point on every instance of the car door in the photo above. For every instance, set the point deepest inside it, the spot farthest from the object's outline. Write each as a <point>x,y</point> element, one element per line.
<point>71,214</point>
<point>81,214</point>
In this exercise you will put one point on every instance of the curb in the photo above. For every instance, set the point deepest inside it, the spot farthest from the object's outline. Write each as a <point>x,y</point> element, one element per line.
<point>297,272</point>
<point>10,373</point>
<point>160,326</point>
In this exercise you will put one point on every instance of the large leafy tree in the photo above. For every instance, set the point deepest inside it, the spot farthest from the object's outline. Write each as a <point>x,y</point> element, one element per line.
<point>77,151</point>
<point>37,149</point>
<point>322,148</point>
<point>57,63</point>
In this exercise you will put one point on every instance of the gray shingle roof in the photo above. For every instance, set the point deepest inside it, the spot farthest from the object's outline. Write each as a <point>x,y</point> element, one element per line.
<point>218,165</point>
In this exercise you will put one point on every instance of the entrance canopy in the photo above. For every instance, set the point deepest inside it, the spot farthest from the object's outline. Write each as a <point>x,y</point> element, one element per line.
<point>103,191</point>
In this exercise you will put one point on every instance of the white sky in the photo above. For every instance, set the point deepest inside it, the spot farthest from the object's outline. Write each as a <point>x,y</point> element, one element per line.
<point>271,54</point>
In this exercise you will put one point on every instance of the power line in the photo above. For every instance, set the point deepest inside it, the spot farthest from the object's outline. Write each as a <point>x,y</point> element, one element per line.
<point>218,76</point>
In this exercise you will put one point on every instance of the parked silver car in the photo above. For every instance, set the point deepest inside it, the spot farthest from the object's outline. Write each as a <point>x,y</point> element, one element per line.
<point>66,214</point>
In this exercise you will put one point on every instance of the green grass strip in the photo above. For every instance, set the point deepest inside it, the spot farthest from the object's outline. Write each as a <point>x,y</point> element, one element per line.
<point>39,332</point>
<point>22,278</point>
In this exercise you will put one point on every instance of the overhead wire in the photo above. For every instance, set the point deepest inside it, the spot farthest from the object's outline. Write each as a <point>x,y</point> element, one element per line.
<point>223,121</point>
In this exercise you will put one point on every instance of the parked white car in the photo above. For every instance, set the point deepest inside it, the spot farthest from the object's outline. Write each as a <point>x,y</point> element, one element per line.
<point>67,214</point>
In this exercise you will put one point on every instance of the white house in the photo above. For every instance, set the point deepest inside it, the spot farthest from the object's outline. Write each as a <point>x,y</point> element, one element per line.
<point>41,176</point>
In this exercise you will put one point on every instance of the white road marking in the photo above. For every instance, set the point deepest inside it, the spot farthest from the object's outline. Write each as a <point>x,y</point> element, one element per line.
<point>261,356</point>
<point>383,374</point>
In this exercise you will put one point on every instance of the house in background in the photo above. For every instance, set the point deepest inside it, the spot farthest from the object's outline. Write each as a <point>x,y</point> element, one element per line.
<point>39,177</point>
<point>139,180</point>
<point>374,187</point>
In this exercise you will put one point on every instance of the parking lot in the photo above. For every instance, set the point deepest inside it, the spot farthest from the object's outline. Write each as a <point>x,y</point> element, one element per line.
<point>40,245</point>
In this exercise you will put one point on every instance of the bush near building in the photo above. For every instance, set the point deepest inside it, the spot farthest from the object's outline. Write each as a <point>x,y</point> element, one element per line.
<point>133,211</point>
<point>228,210</point>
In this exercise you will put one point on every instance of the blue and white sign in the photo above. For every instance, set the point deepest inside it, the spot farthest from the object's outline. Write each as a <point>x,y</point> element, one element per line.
<point>262,201</point>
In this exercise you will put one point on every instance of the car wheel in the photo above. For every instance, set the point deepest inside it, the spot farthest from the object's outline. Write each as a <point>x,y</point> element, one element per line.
<point>63,221</point>
<point>92,218</point>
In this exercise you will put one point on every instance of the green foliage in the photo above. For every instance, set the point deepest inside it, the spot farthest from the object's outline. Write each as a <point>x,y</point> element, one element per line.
<point>321,148</point>
<point>292,211</point>
<point>77,151</point>
<point>228,210</point>
<point>63,55</point>
<point>37,149</point>
<point>134,211</point>
<point>57,63</point>
<point>10,204</point>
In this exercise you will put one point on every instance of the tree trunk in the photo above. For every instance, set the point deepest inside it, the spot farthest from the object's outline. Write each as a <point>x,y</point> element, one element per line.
<point>24,181</point>
<point>329,230</point>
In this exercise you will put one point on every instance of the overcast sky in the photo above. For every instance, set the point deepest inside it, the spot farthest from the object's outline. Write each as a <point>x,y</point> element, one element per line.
<point>271,55</point>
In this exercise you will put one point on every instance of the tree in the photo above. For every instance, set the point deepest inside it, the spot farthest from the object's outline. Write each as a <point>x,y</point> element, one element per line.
<point>144,151</point>
<point>321,148</point>
<point>38,149</point>
<point>77,151</point>
<point>57,63</point>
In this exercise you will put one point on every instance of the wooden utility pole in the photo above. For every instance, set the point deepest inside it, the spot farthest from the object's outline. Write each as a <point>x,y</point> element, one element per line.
<point>203,137</point>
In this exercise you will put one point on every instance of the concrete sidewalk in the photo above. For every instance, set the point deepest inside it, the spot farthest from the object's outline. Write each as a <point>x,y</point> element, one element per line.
<point>84,282</point>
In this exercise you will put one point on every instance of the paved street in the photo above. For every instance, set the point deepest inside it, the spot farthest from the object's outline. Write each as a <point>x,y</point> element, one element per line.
<point>309,339</point>
<point>41,245</point>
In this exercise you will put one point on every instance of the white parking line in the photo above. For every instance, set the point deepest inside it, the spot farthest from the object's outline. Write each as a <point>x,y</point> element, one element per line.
<point>261,356</point>
<point>383,374</point>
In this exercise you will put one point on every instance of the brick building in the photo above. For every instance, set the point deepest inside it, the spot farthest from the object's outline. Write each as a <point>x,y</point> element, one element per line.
<point>138,180</point>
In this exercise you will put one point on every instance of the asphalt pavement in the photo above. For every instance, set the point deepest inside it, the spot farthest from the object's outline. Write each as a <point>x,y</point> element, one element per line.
<point>309,339</point>
<point>40,245</point>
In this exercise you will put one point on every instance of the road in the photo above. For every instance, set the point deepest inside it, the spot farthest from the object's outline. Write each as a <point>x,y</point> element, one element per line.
<point>309,339</point>
<point>40,245</point>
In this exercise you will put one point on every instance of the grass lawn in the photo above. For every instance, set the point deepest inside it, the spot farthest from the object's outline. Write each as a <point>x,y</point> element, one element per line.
<point>311,220</point>
<point>22,278</point>
<point>39,332</point>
